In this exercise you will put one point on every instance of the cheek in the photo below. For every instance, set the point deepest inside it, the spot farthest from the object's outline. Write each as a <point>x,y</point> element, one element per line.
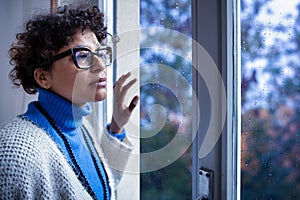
<point>64,82</point>
<point>69,81</point>
<point>80,81</point>
<point>64,73</point>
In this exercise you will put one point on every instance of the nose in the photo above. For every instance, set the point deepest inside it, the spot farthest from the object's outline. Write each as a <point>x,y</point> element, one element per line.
<point>98,64</point>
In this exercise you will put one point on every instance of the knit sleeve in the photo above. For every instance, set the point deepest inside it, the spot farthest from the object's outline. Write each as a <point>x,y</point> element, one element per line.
<point>120,136</point>
<point>32,167</point>
<point>115,152</point>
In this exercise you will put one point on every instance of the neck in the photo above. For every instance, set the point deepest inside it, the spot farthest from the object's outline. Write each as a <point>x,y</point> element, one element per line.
<point>65,114</point>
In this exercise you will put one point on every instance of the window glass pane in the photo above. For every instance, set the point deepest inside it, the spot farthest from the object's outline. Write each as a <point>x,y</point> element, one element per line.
<point>166,101</point>
<point>270,86</point>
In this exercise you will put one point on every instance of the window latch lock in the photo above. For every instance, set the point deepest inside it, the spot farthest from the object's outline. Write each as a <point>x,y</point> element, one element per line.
<point>205,184</point>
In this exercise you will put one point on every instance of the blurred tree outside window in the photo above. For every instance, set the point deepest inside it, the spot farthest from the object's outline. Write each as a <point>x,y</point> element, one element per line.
<point>166,104</point>
<point>270,53</point>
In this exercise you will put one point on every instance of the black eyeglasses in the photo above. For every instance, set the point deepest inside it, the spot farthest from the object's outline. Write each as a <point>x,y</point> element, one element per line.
<point>83,57</point>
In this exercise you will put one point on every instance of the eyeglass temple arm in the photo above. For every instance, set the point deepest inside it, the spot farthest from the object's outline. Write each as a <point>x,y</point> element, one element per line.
<point>114,38</point>
<point>59,56</point>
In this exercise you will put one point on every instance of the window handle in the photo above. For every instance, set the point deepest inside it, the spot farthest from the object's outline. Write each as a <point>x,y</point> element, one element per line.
<point>205,184</point>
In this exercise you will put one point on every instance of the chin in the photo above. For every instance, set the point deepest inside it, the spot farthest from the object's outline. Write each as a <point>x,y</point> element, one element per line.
<point>99,99</point>
<point>100,96</point>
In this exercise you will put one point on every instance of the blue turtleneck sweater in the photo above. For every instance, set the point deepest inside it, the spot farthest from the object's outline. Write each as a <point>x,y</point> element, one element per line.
<point>68,118</point>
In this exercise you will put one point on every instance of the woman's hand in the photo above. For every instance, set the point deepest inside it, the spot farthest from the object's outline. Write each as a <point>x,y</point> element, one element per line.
<point>122,112</point>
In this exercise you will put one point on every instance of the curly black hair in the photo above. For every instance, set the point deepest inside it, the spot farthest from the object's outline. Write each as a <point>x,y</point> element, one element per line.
<point>45,35</point>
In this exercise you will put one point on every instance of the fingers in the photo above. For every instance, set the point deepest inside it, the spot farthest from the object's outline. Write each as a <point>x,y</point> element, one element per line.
<point>128,85</point>
<point>133,103</point>
<point>124,88</point>
<point>122,112</point>
<point>121,80</point>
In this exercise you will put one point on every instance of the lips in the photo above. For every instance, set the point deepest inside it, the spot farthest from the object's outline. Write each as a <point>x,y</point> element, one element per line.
<point>101,82</point>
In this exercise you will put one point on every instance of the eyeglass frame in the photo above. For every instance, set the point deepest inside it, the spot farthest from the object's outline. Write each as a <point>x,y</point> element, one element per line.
<point>72,52</point>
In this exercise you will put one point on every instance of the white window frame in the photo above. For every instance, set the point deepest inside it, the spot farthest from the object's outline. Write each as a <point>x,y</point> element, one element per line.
<point>126,24</point>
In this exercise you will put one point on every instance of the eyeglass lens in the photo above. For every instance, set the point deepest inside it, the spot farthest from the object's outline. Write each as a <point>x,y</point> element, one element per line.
<point>84,58</point>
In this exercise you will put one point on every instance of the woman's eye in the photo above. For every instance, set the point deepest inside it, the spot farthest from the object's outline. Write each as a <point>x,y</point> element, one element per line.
<point>101,54</point>
<point>82,55</point>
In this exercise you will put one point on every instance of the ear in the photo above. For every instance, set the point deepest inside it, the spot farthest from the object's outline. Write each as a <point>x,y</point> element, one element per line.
<point>43,78</point>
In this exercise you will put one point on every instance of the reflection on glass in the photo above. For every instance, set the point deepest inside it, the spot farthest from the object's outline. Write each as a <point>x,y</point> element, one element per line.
<point>165,92</point>
<point>270,99</point>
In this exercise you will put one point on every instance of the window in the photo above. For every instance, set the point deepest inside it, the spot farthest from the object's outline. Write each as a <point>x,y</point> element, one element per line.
<point>166,99</point>
<point>255,46</point>
<point>126,26</point>
<point>214,148</point>
<point>270,151</point>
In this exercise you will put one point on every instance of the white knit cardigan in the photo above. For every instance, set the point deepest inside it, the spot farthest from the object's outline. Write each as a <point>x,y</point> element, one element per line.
<point>33,167</point>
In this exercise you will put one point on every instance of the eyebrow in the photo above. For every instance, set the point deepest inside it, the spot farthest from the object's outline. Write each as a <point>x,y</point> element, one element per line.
<point>84,46</point>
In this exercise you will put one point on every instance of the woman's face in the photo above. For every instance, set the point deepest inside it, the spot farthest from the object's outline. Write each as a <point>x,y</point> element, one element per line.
<point>79,85</point>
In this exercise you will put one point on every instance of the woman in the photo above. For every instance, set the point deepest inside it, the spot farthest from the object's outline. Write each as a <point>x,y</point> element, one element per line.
<point>51,152</point>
